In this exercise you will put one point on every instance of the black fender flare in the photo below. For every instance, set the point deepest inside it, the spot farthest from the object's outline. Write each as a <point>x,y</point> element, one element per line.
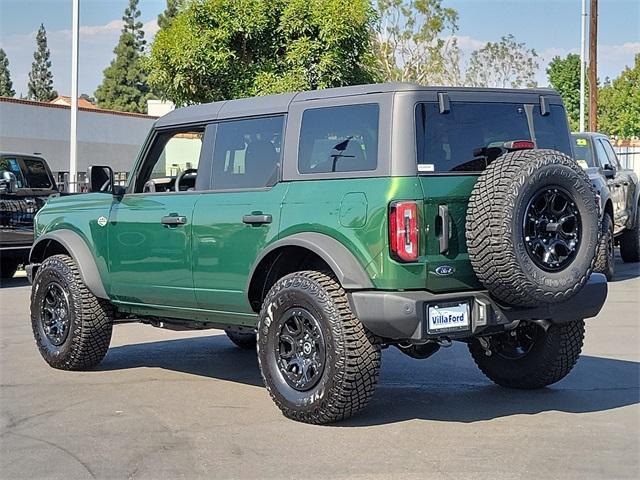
<point>79,251</point>
<point>348,270</point>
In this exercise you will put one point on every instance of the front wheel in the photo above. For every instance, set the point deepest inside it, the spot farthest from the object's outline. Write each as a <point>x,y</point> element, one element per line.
<point>605,256</point>
<point>71,326</point>
<point>529,357</point>
<point>630,242</point>
<point>318,362</point>
<point>8,266</point>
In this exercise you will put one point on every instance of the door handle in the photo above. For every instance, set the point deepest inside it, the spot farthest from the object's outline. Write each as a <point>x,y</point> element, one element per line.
<point>174,220</point>
<point>443,213</point>
<point>260,219</point>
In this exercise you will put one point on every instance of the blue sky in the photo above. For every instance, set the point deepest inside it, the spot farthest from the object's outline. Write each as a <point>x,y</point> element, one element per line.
<point>551,27</point>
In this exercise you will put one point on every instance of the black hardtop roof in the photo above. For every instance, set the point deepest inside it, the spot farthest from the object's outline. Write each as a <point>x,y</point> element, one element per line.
<point>272,104</point>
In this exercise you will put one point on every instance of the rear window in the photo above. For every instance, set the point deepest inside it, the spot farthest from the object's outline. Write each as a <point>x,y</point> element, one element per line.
<point>454,141</point>
<point>339,139</point>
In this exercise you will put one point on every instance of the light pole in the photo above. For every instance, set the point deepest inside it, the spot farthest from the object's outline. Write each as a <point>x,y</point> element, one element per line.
<point>73,140</point>
<point>583,48</point>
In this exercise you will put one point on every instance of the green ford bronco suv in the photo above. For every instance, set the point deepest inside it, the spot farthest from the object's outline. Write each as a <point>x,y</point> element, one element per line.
<point>324,226</point>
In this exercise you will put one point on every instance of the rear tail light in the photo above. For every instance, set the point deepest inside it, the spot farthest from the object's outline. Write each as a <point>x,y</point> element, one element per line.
<point>403,231</point>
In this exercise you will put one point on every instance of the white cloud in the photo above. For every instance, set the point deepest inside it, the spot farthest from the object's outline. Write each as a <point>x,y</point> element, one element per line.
<point>96,52</point>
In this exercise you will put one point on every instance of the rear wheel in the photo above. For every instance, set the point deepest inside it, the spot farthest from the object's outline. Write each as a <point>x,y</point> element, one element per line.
<point>529,357</point>
<point>244,340</point>
<point>71,326</point>
<point>318,362</point>
<point>605,257</point>
<point>630,242</point>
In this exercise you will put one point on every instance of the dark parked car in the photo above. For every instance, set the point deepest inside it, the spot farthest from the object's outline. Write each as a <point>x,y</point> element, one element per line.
<point>25,184</point>
<point>618,191</point>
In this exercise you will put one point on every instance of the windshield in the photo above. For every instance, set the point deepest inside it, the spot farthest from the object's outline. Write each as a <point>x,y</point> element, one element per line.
<point>582,151</point>
<point>458,141</point>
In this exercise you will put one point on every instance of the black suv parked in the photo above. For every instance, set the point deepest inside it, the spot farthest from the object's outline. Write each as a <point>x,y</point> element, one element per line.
<point>618,191</point>
<point>25,184</point>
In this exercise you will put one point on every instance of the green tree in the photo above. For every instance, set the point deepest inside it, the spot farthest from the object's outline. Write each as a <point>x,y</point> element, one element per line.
<point>502,64</point>
<point>124,86</point>
<point>166,17</point>
<point>222,49</point>
<point>619,104</point>
<point>40,85</point>
<point>411,47</point>
<point>564,76</point>
<point>6,85</point>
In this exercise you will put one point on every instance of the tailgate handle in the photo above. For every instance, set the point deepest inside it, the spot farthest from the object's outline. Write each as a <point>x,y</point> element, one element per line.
<point>443,213</point>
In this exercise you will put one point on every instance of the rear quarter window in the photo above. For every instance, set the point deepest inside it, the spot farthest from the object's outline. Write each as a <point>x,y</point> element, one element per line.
<point>453,141</point>
<point>339,139</point>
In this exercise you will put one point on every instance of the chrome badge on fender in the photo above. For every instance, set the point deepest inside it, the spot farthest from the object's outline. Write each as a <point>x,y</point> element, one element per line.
<point>102,221</point>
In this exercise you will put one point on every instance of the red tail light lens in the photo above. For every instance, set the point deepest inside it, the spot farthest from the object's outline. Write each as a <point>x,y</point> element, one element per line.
<point>403,231</point>
<point>519,145</point>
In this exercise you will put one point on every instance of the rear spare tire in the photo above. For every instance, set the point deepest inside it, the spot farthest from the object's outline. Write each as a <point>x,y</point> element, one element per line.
<point>532,227</point>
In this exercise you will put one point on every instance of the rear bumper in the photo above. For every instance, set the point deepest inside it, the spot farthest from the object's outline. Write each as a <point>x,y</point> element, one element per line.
<point>402,315</point>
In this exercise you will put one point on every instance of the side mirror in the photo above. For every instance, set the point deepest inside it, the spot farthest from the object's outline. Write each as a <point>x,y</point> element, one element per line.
<point>8,182</point>
<point>100,179</point>
<point>609,171</point>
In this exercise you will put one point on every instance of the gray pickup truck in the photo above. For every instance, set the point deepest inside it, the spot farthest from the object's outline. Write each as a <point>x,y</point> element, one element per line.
<point>26,182</point>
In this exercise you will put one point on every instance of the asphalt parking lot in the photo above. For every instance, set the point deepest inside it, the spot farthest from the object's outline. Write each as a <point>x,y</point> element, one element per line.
<point>191,405</point>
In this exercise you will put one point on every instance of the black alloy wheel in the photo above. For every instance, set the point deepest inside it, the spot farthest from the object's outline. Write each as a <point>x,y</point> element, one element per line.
<point>518,342</point>
<point>300,353</point>
<point>55,313</point>
<point>552,229</point>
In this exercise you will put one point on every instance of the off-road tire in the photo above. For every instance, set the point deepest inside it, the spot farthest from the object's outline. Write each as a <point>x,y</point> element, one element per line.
<point>246,341</point>
<point>8,266</point>
<point>90,318</point>
<point>605,257</point>
<point>494,227</point>
<point>630,241</point>
<point>550,360</point>
<point>352,362</point>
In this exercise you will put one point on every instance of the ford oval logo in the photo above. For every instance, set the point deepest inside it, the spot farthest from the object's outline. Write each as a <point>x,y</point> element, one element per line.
<point>444,270</point>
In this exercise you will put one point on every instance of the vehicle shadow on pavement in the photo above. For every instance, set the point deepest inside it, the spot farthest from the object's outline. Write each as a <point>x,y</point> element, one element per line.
<point>447,387</point>
<point>14,282</point>
<point>625,271</point>
<point>211,356</point>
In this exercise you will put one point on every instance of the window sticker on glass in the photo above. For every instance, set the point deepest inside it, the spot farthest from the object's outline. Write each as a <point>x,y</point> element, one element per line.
<point>581,142</point>
<point>582,164</point>
<point>426,167</point>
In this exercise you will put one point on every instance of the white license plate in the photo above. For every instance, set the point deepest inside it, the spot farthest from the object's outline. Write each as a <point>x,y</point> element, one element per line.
<point>449,318</point>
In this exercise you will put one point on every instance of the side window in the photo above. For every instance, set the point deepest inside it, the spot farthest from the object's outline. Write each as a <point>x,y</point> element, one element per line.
<point>601,153</point>
<point>247,153</point>
<point>36,173</point>
<point>11,165</point>
<point>611,154</point>
<point>173,155</point>
<point>339,139</point>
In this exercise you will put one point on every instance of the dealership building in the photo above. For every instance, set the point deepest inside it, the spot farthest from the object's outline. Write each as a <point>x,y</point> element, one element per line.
<point>105,137</point>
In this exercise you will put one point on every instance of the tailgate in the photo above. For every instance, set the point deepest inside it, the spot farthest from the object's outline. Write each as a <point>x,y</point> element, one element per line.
<point>448,266</point>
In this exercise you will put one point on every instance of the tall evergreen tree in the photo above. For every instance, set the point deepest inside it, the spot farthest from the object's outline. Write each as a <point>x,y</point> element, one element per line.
<point>166,17</point>
<point>124,86</point>
<point>6,86</point>
<point>40,85</point>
